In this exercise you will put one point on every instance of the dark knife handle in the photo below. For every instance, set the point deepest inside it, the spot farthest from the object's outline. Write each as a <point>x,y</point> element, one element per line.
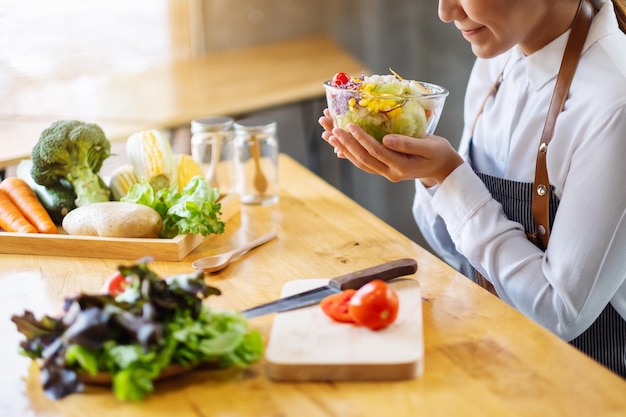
<point>385,272</point>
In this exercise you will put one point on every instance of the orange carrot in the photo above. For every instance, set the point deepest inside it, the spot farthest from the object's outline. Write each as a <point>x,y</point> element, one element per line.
<point>11,218</point>
<point>25,199</point>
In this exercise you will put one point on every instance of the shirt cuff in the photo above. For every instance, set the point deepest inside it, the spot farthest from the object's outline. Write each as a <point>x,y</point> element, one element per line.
<point>458,198</point>
<point>425,191</point>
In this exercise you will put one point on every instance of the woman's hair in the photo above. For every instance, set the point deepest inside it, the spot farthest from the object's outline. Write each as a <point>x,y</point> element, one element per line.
<point>620,11</point>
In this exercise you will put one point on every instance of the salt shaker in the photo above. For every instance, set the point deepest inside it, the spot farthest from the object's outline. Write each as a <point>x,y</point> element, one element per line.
<point>212,148</point>
<point>256,161</point>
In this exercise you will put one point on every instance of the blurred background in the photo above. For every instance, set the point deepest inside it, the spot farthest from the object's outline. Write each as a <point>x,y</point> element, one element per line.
<point>76,38</point>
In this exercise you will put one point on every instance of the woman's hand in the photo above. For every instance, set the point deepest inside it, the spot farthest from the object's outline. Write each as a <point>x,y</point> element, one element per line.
<point>397,158</point>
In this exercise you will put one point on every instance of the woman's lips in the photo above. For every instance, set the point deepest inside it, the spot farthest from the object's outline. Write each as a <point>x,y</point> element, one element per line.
<point>468,33</point>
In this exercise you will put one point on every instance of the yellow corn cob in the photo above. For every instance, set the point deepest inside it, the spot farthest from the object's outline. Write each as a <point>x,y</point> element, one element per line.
<point>185,168</point>
<point>150,154</point>
<point>122,178</point>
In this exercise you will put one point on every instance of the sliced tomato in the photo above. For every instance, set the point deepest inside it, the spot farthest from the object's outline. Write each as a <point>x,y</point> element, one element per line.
<point>336,306</point>
<point>115,284</point>
<point>375,305</point>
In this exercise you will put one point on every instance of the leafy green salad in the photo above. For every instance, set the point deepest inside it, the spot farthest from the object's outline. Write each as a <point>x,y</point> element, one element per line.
<point>192,210</point>
<point>383,104</point>
<point>133,333</point>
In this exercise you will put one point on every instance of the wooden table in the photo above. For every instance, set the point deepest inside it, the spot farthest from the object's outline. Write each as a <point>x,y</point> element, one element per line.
<point>231,82</point>
<point>482,358</point>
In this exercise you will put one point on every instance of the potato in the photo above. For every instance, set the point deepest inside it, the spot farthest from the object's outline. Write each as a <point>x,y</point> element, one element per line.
<point>113,219</point>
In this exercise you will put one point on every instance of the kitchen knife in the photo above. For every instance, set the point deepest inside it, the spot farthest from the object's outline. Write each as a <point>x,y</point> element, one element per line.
<point>353,280</point>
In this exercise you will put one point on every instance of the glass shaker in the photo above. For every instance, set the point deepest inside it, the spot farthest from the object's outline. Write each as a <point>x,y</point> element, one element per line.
<point>212,147</point>
<point>256,160</point>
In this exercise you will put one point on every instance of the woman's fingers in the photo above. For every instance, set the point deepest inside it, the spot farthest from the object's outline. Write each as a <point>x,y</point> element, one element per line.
<point>326,123</point>
<point>348,152</point>
<point>431,157</point>
<point>357,148</point>
<point>397,158</point>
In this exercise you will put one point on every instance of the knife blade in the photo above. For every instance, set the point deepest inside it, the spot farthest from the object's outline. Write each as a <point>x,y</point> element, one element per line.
<point>353,280</point>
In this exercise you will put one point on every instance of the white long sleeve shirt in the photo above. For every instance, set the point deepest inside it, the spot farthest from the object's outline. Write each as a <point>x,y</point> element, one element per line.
<point>566,287</point>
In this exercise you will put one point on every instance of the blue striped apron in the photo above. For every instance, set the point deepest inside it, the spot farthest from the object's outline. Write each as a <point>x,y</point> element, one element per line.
<point>605,340</point>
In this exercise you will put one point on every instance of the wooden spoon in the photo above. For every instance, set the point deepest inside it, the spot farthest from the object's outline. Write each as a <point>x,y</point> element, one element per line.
<point>260,182</point>
<point>218,262</point>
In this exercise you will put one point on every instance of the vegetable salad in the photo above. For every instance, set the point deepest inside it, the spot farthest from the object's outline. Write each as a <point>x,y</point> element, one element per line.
<point>134,331</point>
<point>383,104</point>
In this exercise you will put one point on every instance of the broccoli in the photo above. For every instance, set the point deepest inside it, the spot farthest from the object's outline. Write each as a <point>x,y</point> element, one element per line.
<point>72,151</point>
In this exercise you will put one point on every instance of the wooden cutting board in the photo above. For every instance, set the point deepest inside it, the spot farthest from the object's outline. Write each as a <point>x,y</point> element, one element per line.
<point>306,345</point>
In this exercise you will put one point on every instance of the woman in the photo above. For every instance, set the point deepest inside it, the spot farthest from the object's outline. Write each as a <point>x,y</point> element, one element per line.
<point>474,206</point>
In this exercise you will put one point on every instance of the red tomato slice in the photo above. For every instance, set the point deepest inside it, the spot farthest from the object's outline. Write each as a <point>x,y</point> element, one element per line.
<point>375,305</point>
<point>115,284</point>
<point>336,306</point>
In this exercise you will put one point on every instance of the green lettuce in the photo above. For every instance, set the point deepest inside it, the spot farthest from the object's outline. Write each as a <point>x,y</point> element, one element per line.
<point>411,121</point>
<point>192,210</point>
<point>136,335</point>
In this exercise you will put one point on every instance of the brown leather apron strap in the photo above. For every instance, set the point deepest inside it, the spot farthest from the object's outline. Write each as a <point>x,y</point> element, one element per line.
<point>483,282</point>
<point>573,51</point>
<point>541,195</point>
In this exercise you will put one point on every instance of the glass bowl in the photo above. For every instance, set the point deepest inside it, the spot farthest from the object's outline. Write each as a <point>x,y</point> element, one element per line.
<point>383,104</point>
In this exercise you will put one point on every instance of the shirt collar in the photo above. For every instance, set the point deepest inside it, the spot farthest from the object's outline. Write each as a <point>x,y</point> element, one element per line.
<point>543,65</point>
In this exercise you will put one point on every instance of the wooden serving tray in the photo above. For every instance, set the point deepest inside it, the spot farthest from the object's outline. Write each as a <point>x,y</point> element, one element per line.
<point>62,244</point>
